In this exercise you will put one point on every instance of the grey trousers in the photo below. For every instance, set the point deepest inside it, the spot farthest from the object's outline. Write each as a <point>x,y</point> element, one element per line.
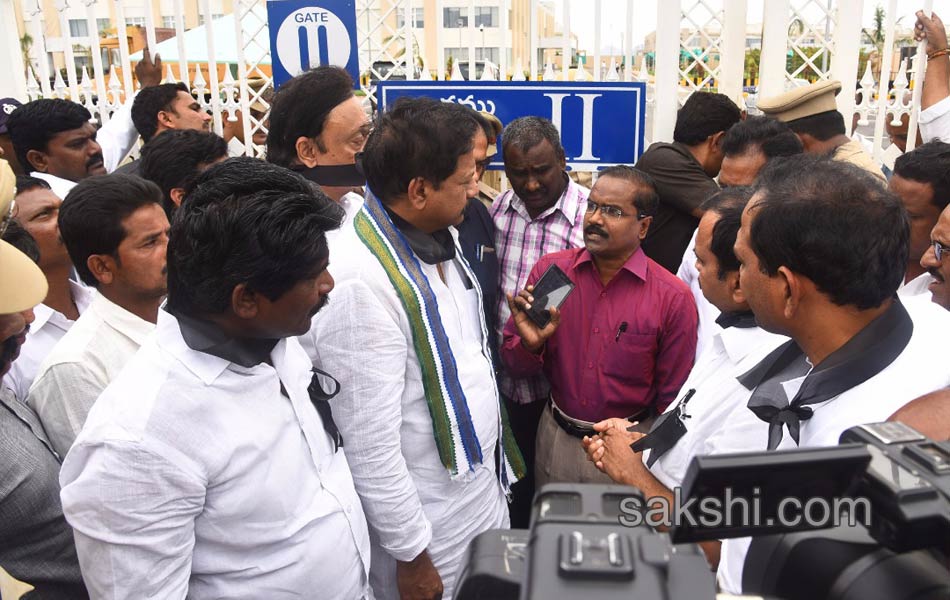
<point>561,458</point>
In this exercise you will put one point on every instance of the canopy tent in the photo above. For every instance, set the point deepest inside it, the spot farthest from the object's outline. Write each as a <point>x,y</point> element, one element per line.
<point>225,42</point>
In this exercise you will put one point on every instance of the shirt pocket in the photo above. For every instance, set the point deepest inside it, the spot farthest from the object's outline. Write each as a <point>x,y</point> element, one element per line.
<point>631,359</point>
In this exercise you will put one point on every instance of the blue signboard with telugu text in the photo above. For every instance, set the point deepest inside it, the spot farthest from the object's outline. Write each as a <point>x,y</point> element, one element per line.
<point>305,34</point>
<point>601,123</point>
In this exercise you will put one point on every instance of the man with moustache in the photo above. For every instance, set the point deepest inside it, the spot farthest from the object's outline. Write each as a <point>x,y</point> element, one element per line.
<point>821,264</point>
<point>115,231</point>
<point>36,543</point>
<point>55,141</point>
<point>234,482</point>
<point>746,148</point>
<point>317,127</point>
<point>936,260</point>
<point>165,107</point>
<point>711,391</point>
<point>418,405</point>
<point>922,182</point>
<point>37,210</point>
<point>543,212</point>
<point>622,343</point>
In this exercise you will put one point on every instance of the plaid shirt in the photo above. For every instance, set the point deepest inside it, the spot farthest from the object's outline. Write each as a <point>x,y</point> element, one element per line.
<point>520,241</point>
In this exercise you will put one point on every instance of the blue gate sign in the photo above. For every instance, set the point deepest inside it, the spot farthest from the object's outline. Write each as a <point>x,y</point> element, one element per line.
<point>305,34</point>
<point>601,123</point>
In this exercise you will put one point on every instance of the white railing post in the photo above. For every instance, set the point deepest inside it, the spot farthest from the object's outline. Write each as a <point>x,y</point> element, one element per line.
<point>666,69</point>
<point>887,58</point>
<point>439,40</point>
<point>66,36</point>
<point>844,63</point>
<point>533,40</point>
<point>507,41</point>
<point>471,40</point>
<point>566,41</point>
<point>732,62</point>
<point>183,73</point>
<point>11,58</point>
<point>774,47</point>
<point>121,31</point>
<point>98,72</point>
<point>212,67</point>
<point>628,43</point>
<point>598,17</point>
<point>409,37</point>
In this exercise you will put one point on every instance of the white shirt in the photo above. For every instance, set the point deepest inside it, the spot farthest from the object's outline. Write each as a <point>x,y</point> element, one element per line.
<point>363,339</point>
<point>47,329</point>
<point>934,122</point>
<point>116,139</point>
<point>87,358</point>
<point>707,312</point>
<point>732,352</point>
<point>917,371</point>
<point>918,286</point>
<point>195,477</point>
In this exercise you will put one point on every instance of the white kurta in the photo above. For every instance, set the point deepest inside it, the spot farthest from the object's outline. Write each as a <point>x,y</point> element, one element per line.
<point>196,477</point>
<point>732,352</point>
<point>363,339</point>
<point>917,371</point>
<point>47,329</point>
<point>935,122</point>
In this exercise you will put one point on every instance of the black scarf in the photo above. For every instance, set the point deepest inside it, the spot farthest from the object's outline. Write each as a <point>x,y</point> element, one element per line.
<point>865,355</point>
<point>431,248</point>
<point>333,175</point>
<point>743,319</point>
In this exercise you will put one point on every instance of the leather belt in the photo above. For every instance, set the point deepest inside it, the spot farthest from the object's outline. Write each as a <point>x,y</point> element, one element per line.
<point>579,428</point>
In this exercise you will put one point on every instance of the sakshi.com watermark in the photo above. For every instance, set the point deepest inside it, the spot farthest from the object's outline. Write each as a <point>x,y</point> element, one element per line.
<point>744,511</point>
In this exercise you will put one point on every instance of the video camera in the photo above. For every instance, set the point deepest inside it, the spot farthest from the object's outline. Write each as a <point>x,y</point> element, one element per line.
<point>888,475</point>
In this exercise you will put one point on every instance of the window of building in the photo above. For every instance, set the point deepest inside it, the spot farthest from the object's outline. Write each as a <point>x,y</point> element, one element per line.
<point>168,21</point>
<point>214,17</point>
<point>453,17</point>
<point>489,54</point>
<point>78,28</point>
<point>103,25</point>
<point>130,21</point>
<point>417,18</point>
<point>486,16</point>
<point>456,54</point>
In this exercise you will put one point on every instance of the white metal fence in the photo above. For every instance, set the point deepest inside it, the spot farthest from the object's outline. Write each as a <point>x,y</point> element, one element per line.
<point>699,44</point>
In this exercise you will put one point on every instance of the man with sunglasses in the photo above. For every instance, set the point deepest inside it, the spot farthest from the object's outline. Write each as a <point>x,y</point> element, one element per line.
<point>622,343</point>
<point>922,182</point>
<point>936,260</point>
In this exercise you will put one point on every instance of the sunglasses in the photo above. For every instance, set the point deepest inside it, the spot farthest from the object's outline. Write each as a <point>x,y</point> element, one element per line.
<point>939,249</point>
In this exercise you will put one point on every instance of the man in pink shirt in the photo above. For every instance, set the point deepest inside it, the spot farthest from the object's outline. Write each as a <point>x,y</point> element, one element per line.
<point>622,343</point>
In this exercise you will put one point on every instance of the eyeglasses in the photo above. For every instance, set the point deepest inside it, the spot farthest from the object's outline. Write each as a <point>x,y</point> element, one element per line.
<point>611,212</point>
<point>5,222</point>
<point>939,249</point>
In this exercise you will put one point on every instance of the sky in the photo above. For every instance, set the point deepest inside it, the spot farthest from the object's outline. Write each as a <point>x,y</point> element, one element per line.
<point>614,16</point>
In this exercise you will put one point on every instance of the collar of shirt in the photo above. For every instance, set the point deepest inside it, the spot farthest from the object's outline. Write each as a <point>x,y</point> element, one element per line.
<point>82,296</point>
<point>571,201</point>
<point>132,326</point>
<point>59,185</point>
<point>206,367</point>
<point>740,342</point>
<point>636,264</point>
<point>205,336</point>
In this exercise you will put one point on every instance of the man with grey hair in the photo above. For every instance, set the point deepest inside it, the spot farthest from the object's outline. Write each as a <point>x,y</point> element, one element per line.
<point>543,212</point>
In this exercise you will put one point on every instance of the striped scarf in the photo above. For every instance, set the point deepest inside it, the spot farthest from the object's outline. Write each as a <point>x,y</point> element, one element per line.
<point>455,437</point>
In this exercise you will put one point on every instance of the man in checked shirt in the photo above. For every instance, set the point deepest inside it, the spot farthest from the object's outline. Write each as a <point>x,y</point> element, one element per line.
<point>543,212</point>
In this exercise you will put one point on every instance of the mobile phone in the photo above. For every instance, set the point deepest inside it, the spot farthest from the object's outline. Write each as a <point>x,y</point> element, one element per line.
<point>551,290</point>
